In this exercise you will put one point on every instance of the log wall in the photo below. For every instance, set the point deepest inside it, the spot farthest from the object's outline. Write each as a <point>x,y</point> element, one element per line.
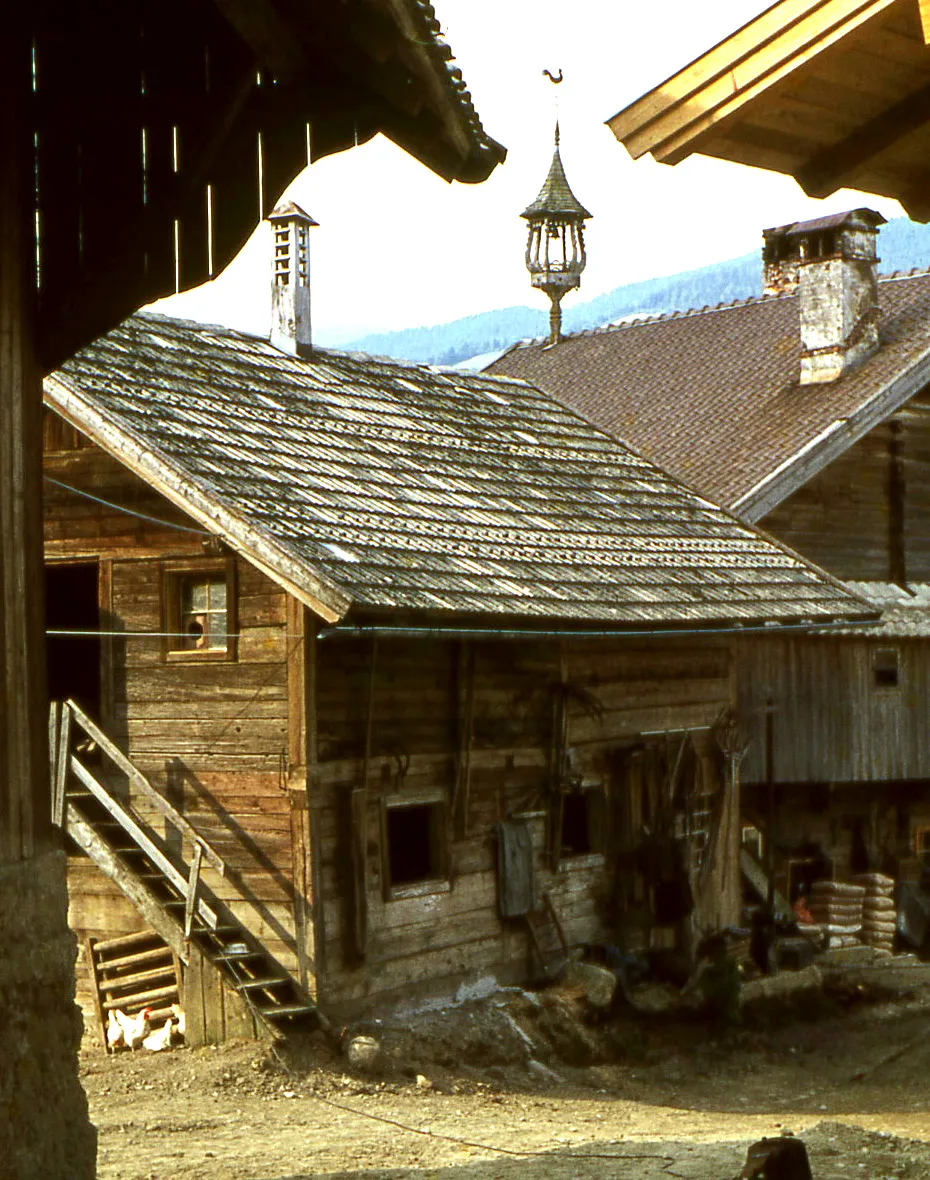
<point>475,728</point>
<point>212,735</point>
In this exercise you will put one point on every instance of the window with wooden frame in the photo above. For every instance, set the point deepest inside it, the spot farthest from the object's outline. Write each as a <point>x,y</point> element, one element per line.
<point>199,610</point>
<point>414,845</point>
<point>885,667</point>
<point>582,823</point>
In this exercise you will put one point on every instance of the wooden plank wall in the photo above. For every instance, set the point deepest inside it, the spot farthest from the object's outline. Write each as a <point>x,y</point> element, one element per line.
<point>830,723</point>
<point>211,735</point>
<point>418,693</point>
<point>840,518</point>
<point>867,516</point>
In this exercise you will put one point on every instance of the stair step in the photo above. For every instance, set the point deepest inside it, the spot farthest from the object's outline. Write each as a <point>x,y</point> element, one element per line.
<point>221,931</point>
<point>283,1010</point>
<point>245,985</point>
<point>235,956</point>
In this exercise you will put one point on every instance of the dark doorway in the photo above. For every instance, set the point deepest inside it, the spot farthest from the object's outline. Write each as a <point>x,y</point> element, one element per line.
<point>73,661</point>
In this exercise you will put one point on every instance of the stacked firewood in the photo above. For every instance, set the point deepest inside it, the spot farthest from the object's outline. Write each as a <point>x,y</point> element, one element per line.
<point>837,907</point>
<point>878,910</point>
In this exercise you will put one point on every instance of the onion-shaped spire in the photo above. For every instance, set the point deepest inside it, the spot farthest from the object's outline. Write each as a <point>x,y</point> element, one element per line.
<point>555,253</point>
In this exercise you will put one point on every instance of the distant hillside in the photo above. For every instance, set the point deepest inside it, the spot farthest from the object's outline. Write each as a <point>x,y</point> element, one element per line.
<point>903,244</point>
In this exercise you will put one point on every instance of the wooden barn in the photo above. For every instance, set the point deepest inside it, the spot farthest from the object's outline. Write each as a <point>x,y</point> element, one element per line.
<point>383,676</point>
<point>139,143</point>
<point>812,407</point>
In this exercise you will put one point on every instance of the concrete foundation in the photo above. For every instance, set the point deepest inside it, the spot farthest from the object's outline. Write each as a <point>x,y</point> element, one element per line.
<point>45,1130</point>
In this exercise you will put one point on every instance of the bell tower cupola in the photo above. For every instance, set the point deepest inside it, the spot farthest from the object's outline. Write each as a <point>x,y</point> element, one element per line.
<point>555,254</point>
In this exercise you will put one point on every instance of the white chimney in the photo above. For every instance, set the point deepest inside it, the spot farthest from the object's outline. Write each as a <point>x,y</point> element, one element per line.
<point>290,278</point>
<point>830,262</point>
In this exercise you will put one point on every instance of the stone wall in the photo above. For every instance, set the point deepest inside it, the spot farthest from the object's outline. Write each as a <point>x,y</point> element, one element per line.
<point>45,1131</point>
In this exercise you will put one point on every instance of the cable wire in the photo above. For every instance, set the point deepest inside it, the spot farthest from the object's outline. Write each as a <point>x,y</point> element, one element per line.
<point>184,528</point>
<point>430,1134</point>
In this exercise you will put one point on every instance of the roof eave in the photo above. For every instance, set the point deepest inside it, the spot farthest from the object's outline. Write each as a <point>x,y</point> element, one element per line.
<point>838,437</point>
<point>329,601</point>
<point>669,121</point>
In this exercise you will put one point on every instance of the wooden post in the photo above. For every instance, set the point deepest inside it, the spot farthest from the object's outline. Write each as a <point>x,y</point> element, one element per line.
<point>61,768</point>
<point>25,808</point>
<point>466,719</point>
<point>193,884</point>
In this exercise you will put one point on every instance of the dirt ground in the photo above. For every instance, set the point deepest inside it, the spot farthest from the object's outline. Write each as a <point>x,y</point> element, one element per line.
<point>523,1084</point>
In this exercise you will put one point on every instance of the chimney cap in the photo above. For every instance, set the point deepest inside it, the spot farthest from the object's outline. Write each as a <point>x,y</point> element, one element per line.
<point>852,218</point>
<point>288,210</point>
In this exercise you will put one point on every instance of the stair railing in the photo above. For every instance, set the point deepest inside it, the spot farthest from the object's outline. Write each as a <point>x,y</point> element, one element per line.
<point>64,720</point>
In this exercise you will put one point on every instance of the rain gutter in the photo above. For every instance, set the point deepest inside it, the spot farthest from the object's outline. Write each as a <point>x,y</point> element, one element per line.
<point>360,631</point>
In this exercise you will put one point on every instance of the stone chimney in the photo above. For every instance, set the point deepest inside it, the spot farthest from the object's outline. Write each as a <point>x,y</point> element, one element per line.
<point>290,278</point>
<point>830,263</point>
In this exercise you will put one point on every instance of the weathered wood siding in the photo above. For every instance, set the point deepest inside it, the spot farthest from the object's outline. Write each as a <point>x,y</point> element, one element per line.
<point>830,722</point>
<point>867,516</point>
<point>417,693</point>
<point>212,735</point>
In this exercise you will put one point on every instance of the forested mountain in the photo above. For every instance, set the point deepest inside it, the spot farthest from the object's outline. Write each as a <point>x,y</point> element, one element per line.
<point>903,244</point>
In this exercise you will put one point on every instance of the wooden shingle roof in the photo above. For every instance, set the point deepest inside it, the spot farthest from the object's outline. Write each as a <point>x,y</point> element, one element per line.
<point>368,485</point>
<point>713,395</point>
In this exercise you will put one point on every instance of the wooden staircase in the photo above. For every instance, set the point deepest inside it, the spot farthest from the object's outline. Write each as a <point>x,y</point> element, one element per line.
<point>164,883</point>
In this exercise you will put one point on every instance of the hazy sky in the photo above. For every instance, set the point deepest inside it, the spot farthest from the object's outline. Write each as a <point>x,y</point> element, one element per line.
<point>397,247</point>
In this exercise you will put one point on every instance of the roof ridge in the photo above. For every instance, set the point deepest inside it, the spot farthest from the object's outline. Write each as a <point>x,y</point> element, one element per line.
<point>661,317</point>
<point>897,275</point>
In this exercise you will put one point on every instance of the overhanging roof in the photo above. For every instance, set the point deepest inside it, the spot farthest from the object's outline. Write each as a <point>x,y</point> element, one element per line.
<point>835,93</point>
<point>154,134</point>
<point>363,483</point>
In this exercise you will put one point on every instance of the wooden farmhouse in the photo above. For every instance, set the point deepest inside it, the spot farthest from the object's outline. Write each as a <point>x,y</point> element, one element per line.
<point>139,143</point>
<point>807,412</point>
<point>382,676</point>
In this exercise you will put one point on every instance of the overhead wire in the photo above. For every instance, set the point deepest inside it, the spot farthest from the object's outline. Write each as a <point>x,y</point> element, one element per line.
<point>170,524</point>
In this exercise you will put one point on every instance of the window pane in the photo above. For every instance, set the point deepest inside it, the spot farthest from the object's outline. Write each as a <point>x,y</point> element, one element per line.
<point>216,629</point>
<point>218,594</point>
<point>197,594</point>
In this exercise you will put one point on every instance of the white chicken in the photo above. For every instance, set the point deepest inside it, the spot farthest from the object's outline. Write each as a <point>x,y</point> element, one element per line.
<point>156,1041</point>
<point>180,1023</point>
<point>135,1028</point>
<point>114,1031</point>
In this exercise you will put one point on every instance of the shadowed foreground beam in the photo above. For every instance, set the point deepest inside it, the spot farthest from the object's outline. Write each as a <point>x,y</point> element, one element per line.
<point>44,1127</point>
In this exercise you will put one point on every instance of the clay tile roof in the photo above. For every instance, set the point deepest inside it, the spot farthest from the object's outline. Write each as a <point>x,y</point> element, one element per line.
<point>401,487</point>
<point>713,395</point>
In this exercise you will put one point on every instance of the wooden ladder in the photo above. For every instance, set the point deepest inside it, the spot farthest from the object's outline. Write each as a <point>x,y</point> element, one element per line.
<point>164,884</point>
<point>133,972</point>
<point>547,937</point>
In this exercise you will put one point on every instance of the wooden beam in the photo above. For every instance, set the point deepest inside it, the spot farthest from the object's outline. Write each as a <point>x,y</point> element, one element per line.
<point>193,887</point>
<point>142,784</point>
<point>721,82</point>
<point>923,7</point>
<point>834,167</point>
<point>113,867</point>
<point>151,850</point>
<point>25,807</point>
